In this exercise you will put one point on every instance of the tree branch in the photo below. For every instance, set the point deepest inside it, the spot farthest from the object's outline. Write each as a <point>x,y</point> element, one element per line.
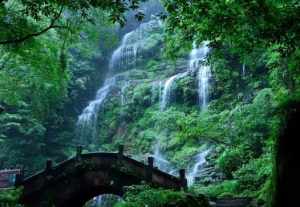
<point>29,36</point>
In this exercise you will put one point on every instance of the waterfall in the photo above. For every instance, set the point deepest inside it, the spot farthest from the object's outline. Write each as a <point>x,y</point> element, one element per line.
<point>243,70</point>
<point>87,120</point>
<point>196,169</point>
<point>132,45</point>
<point>204,75</point>
<point>197,63</point>
<point>198,56</point>
<point>161,162</point>
<point>167,89</point>
<point>166,93</point>
<point>126,53</point>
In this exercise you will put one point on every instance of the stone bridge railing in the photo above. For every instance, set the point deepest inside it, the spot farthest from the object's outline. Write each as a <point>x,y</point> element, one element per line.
<point>74,181</point>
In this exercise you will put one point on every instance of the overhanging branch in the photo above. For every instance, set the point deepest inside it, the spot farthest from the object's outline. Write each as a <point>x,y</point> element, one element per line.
<point>29,36</point>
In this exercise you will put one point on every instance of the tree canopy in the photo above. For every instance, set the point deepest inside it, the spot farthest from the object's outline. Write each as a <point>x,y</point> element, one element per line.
<point>22,20</point>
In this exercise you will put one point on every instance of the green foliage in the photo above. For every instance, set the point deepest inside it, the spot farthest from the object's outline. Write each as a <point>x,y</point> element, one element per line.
<point>32,91</point>
<point>238,24</point>
<point>227,188</point>
<point>254,174</point>
<point>10,197</point>
<point>230,160</point>
<point>47,81</point>
<point>137,196</point>
<point>23,20</point>
<point>39,86</point>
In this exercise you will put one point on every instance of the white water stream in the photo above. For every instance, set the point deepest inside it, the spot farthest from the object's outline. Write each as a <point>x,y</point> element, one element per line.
<point>197,63</point>
<point>196,169</point>
<point>167,89</point>
<point>193,171</point>
<point>87,120</point>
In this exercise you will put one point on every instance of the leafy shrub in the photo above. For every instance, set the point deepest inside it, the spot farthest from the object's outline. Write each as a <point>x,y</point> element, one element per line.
<point>137,196</point>
<point>228,188</point>
<point>230,160</point>
<point>254,174</point>
<point>10,196</point>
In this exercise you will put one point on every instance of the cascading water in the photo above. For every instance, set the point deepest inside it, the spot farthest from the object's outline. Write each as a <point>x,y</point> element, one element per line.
<point>161,162</point>
<point>196,169</point>
<point>198,56</point>
<point>123,92</point>
<point>204,75</point>
<point>125,55</point>
<point>244,70</point>
<point>197,63</point>
<point>166,93</point>
<point>87,120</point>
<point>132,45</point>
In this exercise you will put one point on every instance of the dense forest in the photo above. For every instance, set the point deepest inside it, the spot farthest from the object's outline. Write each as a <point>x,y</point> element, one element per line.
<point>200,85</point>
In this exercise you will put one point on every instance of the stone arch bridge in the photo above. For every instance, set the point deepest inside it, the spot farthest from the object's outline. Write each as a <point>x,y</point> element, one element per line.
<point>79,179</point>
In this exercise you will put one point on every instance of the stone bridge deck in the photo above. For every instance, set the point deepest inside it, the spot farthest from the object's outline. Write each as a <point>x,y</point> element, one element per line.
<point>75,181</point>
